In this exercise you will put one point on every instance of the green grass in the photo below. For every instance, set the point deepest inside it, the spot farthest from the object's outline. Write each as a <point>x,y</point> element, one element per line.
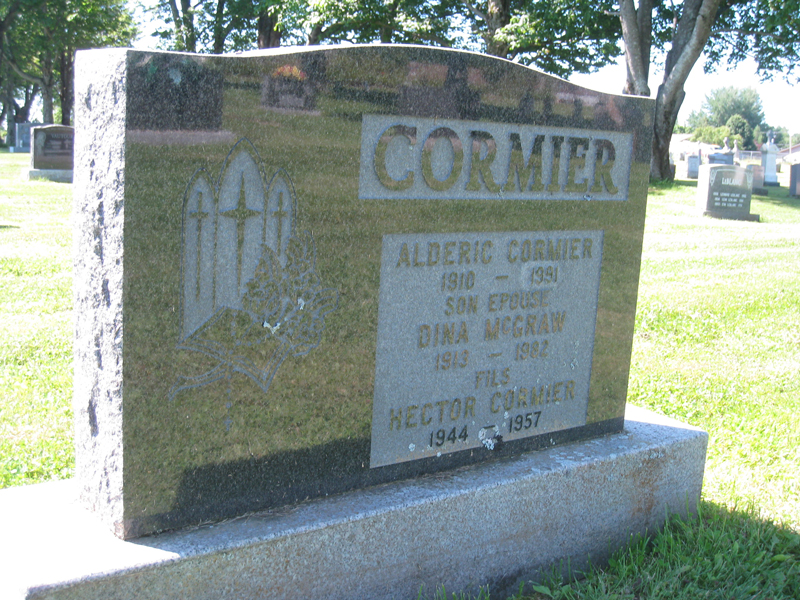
<point>717,345</point>
<point>36,326</point>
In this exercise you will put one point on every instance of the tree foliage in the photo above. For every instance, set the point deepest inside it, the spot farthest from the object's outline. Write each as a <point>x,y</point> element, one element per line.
<point>723,103</point>
<point>41,37</point>
<point>557,36</point>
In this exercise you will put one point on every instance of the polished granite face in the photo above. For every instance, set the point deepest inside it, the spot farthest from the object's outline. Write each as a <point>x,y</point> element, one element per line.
<point>338,267</point>
<point>52,147</point>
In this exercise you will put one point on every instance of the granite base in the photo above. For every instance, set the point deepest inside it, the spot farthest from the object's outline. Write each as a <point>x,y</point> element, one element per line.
<point>494,524</point>
<point>732,216</point>
<point>57,175</point>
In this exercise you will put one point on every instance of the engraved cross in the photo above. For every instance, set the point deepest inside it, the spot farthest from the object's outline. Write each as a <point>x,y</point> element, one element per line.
<point>281,215</point>
<point>241,213</point>
<point>200,215</point>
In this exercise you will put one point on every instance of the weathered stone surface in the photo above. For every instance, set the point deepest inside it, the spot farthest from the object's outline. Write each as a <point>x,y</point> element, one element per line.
<point>492,524</point>
<point>344,267</point>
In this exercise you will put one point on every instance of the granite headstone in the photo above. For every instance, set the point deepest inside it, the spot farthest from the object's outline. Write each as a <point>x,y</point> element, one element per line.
<point>794,180</point>
<point>368,285</point>
<point>758,180</point>
<point>52,147</point>
<point>724,192</point>
<point>692,166</point>
<point>22,139</point>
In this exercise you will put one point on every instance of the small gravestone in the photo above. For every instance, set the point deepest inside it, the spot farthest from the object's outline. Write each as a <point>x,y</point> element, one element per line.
<point>409,264</point>
<point>724,192</point>
<point>720,158</point>
<point>758,180</point>
<point>692,166</point>
<point>52,153</point>
<point>794,180</point>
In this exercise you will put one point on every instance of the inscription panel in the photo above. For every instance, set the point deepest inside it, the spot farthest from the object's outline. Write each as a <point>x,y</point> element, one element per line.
<point>482,338</point>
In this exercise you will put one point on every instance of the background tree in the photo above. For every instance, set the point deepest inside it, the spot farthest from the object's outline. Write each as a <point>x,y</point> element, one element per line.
<point>727,30</point>
<point>741,128</point>
<point>723,103</point>
<point>41,41</point>
<point>558,36</point>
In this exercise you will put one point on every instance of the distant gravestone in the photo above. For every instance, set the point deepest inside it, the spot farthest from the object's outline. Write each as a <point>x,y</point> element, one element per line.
<point>758,179</point>
<point>22,140</point>
<point>794,180</point>
<point>724,192</point>
<point>52,153</point>
<point>692,166</point>
<point>720,158</point>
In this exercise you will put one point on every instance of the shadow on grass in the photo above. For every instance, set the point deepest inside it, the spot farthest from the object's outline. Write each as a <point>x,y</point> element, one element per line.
<point>720,553</point>
<point>779,196</point>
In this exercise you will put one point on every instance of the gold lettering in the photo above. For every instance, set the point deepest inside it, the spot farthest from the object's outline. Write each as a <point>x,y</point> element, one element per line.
<point>573,249</point>
<point>404,260</point>
<point>587,248</point>
<point>512,245</point>
<point>577,162</point>
<point>410,410</point>
<point>522,398</point>
<point>486,258</point>
<point>492,332</point>
<point>410,133</point>
<point>481,167</point>
<point>395,418</point>
<point>433,258</point>
<point>441,404</point>
<point>424,336</point>
<point>508,403</point>
<point>463,252</point>
<point>555,169</point>
<point>557,320</point>
<point>443,135</point>
<point>569,390</point>
<point>469,406</point>
<point>462,334</point>
<point>425,408</point>
<point>524,176</point>
<point>530,327</point>
<point>455,409</point>
<point>448,253</point>
<point>605,155</point>
<point>518,326</point>
<point>496,396</point>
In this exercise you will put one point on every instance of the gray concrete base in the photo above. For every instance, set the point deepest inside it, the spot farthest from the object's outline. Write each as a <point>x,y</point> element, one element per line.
<point>57,175</point>
<point>493,524</point>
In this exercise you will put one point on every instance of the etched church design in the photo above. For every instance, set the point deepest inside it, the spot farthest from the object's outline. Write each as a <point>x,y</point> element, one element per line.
<point>251,296</point>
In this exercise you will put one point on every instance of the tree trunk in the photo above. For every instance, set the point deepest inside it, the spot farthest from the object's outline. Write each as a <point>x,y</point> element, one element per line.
<point>268,34</point>
<point>66,92</point>
<point>691,34</point>
<point>497,16</point>
<point>693,31</point>
<point>637,32</point>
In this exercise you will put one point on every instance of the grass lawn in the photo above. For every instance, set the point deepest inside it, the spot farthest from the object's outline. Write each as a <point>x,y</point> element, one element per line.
<point>717,345</point>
